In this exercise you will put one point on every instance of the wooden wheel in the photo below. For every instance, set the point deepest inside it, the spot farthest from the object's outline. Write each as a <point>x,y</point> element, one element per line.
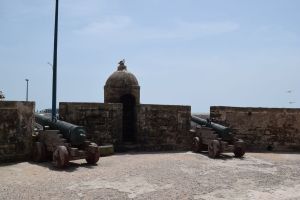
<point>214,149</point>
<point>60,157</point>
<point>93,154</point>
<point>239,149</point>
<point>38,152</point>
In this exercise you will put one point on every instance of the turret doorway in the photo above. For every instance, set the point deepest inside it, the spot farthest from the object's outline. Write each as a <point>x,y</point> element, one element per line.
<point>129,118</point>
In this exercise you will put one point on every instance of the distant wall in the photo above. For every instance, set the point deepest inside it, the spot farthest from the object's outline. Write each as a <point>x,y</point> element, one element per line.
<point>164,127</point>
<point>262,128</point>
<point>16,127</point>
<point>103,122</point>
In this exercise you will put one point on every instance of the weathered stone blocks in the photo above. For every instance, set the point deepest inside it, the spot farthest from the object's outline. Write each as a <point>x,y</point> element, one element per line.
<point>262,128</point>
<point>164,127</point>
<point>159,127</point>
<point>103,122</point>
<point>16,128</point>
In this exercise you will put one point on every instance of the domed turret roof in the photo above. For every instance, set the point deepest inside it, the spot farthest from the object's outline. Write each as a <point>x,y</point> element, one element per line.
<point>121,78</point>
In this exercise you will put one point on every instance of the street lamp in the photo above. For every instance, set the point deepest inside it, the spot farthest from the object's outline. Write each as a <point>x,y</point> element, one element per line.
<point>26,88</point>
<point>1,95</point>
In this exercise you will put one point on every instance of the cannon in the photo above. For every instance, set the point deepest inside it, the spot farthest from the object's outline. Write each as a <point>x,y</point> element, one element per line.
<point>76,135</point>
<point>215,138</point>
<point>62,141</point>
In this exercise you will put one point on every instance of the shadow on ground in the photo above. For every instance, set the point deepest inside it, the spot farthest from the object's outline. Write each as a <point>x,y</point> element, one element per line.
<point>71,167</point>
<point>223,156</point>
<point>148,152</point>
<point>204,153</point>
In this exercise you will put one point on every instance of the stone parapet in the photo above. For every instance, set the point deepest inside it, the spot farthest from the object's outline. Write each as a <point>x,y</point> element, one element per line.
<point>16,128</point>
<point>103,121</point>
<point>262,128</point>
<point>164,127</point>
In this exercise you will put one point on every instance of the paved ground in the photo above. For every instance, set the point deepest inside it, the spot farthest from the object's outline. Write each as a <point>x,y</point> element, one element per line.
<point>158,176</point>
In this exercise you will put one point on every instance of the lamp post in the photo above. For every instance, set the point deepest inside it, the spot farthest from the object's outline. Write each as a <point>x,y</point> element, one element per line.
<point>54,81</point>
<point>26,88</point>
<point>1,95</point>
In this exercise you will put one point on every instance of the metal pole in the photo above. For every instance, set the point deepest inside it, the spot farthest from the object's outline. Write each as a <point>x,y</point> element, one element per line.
<point>54,81</point>
<point>26,89</point>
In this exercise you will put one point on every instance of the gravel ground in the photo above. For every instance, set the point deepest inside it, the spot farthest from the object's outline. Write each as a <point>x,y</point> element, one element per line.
<point>157,176</point>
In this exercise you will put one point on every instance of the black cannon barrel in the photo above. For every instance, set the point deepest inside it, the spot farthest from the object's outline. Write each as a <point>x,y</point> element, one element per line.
<point>217,127</point>
<point>73,133</point>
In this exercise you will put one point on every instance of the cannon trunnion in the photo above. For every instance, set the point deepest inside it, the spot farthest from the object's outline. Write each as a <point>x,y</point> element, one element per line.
<point>62,142</point>
<point>215,138</point>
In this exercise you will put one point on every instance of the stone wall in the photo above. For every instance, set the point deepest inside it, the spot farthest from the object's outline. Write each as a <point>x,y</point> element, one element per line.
<point>103,122</point>
<point>163,127</point>
<point>16,127</point>
<point>262,128</point>
<point>159,127</point>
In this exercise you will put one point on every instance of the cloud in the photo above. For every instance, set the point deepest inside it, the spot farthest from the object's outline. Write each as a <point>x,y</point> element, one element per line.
<point>107,25</point>
<point>191,30</point>
<point>86,9</point>
<point>124,26</point>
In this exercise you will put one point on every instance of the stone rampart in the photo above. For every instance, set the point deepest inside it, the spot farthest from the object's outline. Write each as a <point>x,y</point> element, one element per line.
<point>103,121</point>
<point>164,127</point>
<point>262,128</point>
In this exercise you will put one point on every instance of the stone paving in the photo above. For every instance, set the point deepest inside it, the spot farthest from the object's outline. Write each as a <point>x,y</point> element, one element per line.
<point>171,175</point>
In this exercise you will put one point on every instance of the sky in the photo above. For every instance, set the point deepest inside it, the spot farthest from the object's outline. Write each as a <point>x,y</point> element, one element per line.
<point>184,52</point>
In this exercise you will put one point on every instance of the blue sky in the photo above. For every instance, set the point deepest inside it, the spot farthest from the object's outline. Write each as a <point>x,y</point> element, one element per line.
<point>186,52</point>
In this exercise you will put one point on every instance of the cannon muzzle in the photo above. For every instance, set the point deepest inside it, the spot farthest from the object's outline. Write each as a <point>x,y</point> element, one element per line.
<point>207,123</point>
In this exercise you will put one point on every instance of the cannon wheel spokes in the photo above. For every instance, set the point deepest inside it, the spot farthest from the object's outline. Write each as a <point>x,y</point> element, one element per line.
<point>93,154</point>
<point>214,149</point>
<point>239,148</point>
<point>61,157</point>
<point>38,152</point>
